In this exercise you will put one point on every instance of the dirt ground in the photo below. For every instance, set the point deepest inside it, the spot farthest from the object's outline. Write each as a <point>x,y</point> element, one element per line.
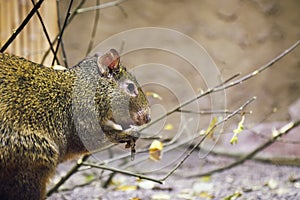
<point>252,180</point>
<point>239,35</point>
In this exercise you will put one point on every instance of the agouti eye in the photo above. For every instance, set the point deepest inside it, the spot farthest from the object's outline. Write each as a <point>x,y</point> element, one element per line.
<point>131,88</point>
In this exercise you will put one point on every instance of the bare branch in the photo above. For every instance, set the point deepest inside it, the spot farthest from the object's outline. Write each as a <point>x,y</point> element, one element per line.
<point>45,32</point>
<point>223,87</point>
<point>260,69</point>
<point>284,130</point>
<point>96,22</point>
<point>207,134</point>
<point>23,24</point>
<point>68,22</point>
<point>209,112</point>
<point>101,6</point>
<point>62,30</point>
<point>140,176</point>
<point>72,171</point>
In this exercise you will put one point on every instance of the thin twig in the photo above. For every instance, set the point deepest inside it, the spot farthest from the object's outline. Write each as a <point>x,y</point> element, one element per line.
<point>72,16</point>
<point>284,130</point>
<point>228,80</point>
<point>260,69</point>
<point>68,175</point>
<point>75,169</point>
<point>23,24</point>
<point>226,86</point>
<point>206,135</point>
<point>209,112</point>
<point>68,22</point>
<point>280,140</point>
<point>141,176</point>
<point>292,161</point>
<point>59,30</point>
<point>101,6</point>
<point>94,31</point>
<point>59,40</point>
<point>79,185</point>
<point>45,32</point>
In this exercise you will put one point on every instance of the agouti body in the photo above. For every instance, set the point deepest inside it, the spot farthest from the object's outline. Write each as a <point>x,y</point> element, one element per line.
<point>45,115</point>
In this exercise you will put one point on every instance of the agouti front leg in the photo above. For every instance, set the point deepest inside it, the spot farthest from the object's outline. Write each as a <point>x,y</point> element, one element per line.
<point>25,185</point>
<point>27,161</point>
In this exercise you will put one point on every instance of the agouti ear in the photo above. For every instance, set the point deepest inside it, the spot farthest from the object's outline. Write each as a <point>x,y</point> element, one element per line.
<point>110,60</point>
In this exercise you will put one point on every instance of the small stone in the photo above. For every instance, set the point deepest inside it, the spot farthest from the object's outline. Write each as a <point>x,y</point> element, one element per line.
<point>273,184</point>
<point>199,187</point>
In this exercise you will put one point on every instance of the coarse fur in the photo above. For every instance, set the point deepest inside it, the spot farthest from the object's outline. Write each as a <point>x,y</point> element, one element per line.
<point>43,112</point>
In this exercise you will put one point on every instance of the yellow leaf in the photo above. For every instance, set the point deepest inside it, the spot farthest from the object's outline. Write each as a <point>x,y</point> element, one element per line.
<point>135,198</point>
<point>155,150</point>
<point>234,139</point>
<point>211,126</point>
<point>89,177</point>
<point>233,196</point>
<point>238,130</point>
<point>154,95</point>
<point>206,195</point>
<point>127,188</point>
<point>168,127</point>
<point>205,178</point>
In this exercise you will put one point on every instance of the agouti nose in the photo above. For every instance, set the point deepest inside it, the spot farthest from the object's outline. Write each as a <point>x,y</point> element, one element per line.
<point>147,118</point>
<point>141,117</point>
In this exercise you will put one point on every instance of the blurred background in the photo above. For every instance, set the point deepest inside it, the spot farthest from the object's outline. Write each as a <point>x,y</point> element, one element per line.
<point>239,36</point>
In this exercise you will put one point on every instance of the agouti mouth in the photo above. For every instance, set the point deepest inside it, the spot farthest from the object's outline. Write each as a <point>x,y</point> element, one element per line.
<point>112,125</point>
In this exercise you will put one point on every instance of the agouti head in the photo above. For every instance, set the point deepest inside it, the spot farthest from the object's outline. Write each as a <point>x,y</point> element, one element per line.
<point>120,103</point>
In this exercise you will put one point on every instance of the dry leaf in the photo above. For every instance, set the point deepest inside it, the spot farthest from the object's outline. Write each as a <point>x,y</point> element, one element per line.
<point>233,196</point>
<point>205,179</point>
<point>155,150</point>
<point>206,195</point>
<point>135,198</point>
<point>154,95</point>
<point>168,127</point>
<point>238,130</point>
<point>127,188</point>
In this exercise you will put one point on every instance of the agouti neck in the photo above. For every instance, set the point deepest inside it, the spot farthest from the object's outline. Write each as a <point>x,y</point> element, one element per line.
<point>40,99</point>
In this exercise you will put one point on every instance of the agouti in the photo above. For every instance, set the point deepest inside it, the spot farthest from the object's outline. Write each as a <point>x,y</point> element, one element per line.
<point>48,116</point>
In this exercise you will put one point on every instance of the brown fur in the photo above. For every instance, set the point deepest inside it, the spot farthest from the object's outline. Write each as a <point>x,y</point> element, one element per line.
<point>37,126</point>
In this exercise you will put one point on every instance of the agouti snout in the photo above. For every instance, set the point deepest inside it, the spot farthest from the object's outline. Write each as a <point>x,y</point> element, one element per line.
<point>128,103</point>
